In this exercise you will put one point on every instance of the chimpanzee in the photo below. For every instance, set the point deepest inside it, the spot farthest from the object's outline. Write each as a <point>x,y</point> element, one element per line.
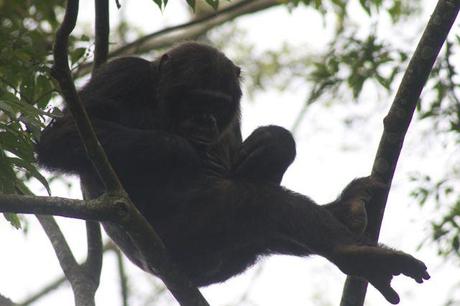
<point>171,129</point>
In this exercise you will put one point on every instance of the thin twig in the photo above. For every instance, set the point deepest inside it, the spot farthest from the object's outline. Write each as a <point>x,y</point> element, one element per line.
<point>188,30</point>
<point>124,289</point>
<point>44,291</point>
<point>231,12</point>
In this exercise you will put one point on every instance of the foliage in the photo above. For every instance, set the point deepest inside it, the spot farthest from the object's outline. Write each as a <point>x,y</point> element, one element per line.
<point>442,110</point>
<point>445,193</point>
<point>25,28</point>
<point>443,103</point>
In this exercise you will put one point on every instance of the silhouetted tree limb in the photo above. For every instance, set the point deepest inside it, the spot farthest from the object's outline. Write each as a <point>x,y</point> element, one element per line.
<point>396,124</point>
<point>101,209</point>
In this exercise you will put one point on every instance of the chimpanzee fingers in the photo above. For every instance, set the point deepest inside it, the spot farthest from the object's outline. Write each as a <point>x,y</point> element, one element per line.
<point>383,285</point>
<point>413,268</point>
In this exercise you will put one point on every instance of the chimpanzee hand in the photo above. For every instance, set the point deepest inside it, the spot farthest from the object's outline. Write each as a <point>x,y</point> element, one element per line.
<point>201,129</point>
<point>378,265</point>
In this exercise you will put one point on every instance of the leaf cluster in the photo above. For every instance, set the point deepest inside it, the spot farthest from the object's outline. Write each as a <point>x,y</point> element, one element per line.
<point>445,229</point>
<point>26,33</point>
<point>442,104</point>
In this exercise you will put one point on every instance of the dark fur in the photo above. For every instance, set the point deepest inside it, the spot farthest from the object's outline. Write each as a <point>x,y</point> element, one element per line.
<point>171,129</point>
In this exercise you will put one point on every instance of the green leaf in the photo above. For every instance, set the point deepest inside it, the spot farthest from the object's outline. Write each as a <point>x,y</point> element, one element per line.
<point>456,243</point>
<point>13,219</point>
<point>192,4</point>
<point>85,37</point>
<point>213,3</point>
<point>32,170</point>
<point>7,175</point>
<point>159,3</point>
<point>365,6</point>
<point>77,54</point>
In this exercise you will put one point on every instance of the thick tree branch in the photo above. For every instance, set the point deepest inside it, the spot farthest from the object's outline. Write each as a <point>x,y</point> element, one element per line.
<point>397,122</point>
<point>188,30</point>
<point>101,209</point>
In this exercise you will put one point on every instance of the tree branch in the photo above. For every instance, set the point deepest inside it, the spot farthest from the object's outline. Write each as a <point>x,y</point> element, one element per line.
<point>188,30</point>
<point>44,291</point>
<point>124,289</point>
<point>66,259</point>
<point>193,28</point>
<point>61,72</point>
<point>58,282</point>
<point>102,30</point>
<point>105,208</point>
<point>396,124</point>
<point>93,264</point>
<point>83,287</point>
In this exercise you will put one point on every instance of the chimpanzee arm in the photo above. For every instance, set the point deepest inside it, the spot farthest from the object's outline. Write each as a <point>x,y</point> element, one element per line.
<point>60,148</point>
<point>265,155</point>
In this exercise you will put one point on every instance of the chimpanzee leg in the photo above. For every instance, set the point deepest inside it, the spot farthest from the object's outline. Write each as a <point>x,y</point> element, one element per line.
<point>229,223</point>
<point>265,155</point>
